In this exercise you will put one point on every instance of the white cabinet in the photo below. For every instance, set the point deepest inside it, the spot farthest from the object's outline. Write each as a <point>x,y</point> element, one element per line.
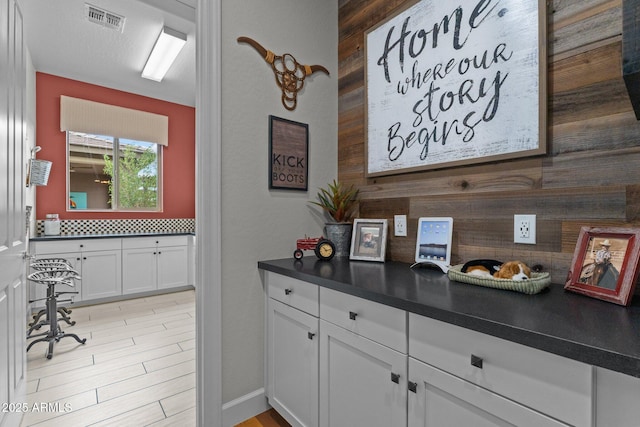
<point>437,398</point>
<point>380,366</point>
<point>101,274</point>
<point>292,349</point>
<point>362,383</point>
<point>112,267</point>
<point>98,261</point>
<point>363,362</point>
<point>150,263</point>
<point>489,367</point>
<point>617,399</point>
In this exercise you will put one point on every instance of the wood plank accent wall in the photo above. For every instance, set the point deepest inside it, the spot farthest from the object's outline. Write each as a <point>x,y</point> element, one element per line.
<point>590,176</point>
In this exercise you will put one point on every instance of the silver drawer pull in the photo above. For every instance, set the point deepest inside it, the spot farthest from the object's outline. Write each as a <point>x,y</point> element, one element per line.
<point>353,315</point>
<point>476,361</point>
<point>288,291</point>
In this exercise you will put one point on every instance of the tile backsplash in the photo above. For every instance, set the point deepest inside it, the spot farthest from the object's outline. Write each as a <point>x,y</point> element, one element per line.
<point>119,226</point>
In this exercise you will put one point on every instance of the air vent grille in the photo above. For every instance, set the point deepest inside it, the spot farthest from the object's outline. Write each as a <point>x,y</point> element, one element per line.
<point>102,17</point>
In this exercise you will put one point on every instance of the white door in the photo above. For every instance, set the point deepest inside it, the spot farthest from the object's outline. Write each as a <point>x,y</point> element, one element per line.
<point>13,293</point>
<point>439,399</point>
<point>139,271</point>
<point>362,383</point>
<point>293,364</point>
<point>173,267</point>
<point>101,274</point>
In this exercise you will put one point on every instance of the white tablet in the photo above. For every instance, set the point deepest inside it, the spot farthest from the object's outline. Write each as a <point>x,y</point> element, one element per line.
<point>433,243</point>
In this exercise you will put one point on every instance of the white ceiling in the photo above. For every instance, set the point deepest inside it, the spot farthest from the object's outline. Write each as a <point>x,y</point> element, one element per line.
<point>62,42</point>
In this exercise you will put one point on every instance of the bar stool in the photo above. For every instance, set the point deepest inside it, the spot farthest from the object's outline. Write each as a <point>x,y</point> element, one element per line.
<point>51,278</point>
<point>48,264</point>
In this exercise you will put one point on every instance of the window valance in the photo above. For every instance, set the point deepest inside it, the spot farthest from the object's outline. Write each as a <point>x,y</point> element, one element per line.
<point>81,115</point>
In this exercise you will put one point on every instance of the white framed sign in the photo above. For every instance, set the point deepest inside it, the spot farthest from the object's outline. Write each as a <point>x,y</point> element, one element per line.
<point>456,83</point>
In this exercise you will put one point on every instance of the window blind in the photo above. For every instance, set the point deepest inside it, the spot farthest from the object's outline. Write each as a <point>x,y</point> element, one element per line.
<point>81,115</point>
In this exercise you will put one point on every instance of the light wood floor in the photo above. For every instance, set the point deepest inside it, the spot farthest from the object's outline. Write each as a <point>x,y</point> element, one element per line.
<point>136,369</point>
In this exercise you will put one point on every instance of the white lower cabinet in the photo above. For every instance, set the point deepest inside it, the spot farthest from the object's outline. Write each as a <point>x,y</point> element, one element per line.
<point>98,261</point>
<point>292,347</point>
<point>293,364</point>
<point>376,365</point>
<point>437,399</point>
<point>362,383</point>
<point>475,369</point>
<point>112,267</point>
<point>101,274</point>
<point>150,263</point>
<point>617,399</point>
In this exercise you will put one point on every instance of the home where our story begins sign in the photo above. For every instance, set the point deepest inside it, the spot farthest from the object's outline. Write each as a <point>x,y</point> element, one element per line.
<point>455,83</point>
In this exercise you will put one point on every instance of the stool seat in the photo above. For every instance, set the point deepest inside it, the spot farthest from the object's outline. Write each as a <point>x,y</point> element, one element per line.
<point>51,272</point>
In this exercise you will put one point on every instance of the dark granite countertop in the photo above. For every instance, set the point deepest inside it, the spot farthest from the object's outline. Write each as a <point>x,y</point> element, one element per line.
<point>44,238</point>
<point>560,322</point>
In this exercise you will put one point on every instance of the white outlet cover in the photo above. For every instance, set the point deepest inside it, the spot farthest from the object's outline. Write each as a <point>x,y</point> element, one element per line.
<point>400,225</point>
<point>518,220</point>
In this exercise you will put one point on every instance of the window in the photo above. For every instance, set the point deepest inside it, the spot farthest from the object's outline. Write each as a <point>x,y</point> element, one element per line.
<point>100,180</point>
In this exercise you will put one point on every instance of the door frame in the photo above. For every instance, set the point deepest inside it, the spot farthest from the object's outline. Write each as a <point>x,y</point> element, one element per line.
<point>208,212</point>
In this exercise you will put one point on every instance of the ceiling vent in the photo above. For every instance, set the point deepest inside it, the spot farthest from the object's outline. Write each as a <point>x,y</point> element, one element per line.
<point>103,17</point>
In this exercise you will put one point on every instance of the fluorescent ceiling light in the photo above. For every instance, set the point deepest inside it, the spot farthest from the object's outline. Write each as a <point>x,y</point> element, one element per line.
<point>164,52</point>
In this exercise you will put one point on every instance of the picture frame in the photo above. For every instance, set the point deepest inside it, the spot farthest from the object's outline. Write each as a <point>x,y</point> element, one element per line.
<point>288,154</point>
<point>438,97</point>
<point>368,240</point>
<point>605,264</point>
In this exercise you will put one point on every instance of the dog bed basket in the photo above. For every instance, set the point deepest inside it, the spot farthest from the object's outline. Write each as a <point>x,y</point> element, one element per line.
<point>534,285</point>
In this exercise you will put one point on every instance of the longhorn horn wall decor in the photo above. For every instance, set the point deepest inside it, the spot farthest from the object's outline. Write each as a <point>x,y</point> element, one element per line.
<point>289,73</point>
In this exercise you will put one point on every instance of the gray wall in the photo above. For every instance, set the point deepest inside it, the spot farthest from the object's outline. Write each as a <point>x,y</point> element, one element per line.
<point>257,223</point>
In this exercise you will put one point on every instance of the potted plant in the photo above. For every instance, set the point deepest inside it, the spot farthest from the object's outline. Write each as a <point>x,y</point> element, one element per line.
<point>339,202</point>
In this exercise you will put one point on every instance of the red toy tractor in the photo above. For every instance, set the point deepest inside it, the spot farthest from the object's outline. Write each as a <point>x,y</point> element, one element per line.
<point>323,248</point>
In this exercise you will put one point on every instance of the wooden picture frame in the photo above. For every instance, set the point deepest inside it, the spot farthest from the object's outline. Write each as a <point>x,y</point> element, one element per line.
<point>605,264</point>
<point>451,84</point>
<point>288,154</point>
<point>369,240</point>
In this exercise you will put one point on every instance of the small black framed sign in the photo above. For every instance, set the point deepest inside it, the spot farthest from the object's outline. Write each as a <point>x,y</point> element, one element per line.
<point>288,154</point>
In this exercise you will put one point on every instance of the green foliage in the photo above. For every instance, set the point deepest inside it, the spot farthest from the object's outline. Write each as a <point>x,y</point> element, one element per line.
<point>137,179</point>
<point>338,201</point>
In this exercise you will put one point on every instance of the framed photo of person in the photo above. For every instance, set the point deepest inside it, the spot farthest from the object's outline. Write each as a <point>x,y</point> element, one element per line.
<point>369,240</point>
<point>605,264</point>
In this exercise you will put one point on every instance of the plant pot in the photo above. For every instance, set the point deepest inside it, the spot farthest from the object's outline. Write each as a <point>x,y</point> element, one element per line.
<point>340,234</point>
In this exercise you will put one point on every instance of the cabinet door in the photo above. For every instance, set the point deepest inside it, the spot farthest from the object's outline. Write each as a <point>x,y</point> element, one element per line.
<point>441,399</point>
<point>292,365</point>
<point>362,383</point>
<point>139,271</point>
<point>101,274</point>
<point>38,292</point>
<point>173,268</point>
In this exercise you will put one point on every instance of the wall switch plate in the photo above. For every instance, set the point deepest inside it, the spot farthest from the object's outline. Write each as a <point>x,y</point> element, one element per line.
<point>400,225</point>
<point>524,229</point>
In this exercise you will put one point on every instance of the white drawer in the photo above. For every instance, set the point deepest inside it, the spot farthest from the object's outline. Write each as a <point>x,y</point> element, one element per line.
<point>76,245</point>
<point>293,292</point>
<point>383,324</point>
<point>554,385</point>
<point>152,242</point>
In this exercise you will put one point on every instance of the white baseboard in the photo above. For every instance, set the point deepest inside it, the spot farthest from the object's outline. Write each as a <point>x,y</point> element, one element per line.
<point>244,407</point>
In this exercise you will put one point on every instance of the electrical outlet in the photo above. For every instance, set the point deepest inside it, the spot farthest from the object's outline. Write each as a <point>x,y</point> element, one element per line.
<point>524,229</point>
<point>400,225</point>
